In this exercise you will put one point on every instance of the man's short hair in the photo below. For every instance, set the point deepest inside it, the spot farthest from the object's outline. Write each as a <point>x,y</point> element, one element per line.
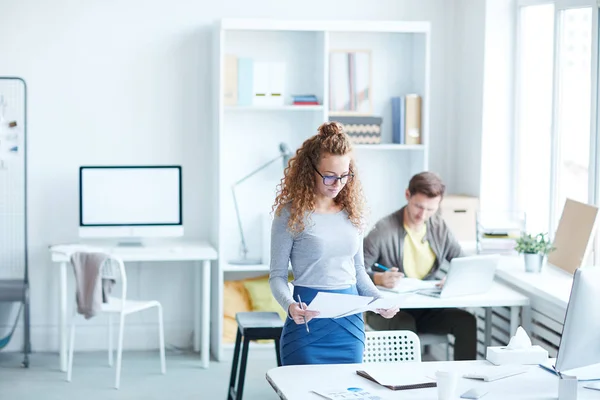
<point>428,183</point>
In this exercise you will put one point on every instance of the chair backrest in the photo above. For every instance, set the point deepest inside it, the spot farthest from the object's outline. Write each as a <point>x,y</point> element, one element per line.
<point>113,268</point>
<point>391,346</point>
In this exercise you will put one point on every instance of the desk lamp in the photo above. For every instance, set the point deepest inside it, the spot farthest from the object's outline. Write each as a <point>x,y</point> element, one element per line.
<point>285,154</point>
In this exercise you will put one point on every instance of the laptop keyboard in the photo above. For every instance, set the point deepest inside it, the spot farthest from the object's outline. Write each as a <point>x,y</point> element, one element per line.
<point>430,292</point>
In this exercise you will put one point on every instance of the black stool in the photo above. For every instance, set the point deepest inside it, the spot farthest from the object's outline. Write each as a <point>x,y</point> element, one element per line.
<point>252,326</point>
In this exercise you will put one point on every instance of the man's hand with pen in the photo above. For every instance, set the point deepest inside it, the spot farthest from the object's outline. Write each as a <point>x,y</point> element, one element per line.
<point>386,277</point>
<point>300,314</point>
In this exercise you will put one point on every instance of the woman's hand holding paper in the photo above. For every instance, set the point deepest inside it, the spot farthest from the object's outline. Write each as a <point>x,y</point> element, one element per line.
<point>299,314</point>
<point>387,312</point>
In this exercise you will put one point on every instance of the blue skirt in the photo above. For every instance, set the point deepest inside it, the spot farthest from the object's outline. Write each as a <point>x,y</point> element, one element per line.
<point>330,341</point>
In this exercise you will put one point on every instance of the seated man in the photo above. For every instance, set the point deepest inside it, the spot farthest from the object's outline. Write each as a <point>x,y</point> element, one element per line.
<point>413,242</point>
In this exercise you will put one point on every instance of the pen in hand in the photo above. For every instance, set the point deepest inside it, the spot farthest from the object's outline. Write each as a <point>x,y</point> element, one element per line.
<point>303,317</point>
<point>381,267</point>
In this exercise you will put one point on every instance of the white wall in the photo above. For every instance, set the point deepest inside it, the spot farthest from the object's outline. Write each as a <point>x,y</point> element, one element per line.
<point>128,82</point>
<point>465,162</point>
<point>482,159</point>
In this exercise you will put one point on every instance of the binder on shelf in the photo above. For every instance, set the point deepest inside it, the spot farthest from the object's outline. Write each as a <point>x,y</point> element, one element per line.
<point>398,118</point>
<point>413,119</point>
<point>276,83</point>
<point>245,81</point>
<point>269,82</point>
<point>230,81</point>
<point>260,84</point>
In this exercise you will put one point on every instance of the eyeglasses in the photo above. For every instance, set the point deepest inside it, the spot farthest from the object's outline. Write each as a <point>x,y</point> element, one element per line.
<point>423,208</point>
<point>330,180</point>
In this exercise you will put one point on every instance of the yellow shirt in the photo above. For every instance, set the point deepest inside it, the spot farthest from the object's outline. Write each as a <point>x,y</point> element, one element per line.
<point>418,258</point>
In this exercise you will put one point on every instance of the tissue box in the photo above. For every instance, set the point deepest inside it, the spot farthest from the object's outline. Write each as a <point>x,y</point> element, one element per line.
<point>501,355</point>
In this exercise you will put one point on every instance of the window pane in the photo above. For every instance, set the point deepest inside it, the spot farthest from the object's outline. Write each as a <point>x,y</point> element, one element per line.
<point>574,96</point>
<point>534,122</point>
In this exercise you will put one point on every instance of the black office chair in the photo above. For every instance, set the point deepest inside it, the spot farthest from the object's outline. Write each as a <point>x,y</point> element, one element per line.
<point>252,326</point>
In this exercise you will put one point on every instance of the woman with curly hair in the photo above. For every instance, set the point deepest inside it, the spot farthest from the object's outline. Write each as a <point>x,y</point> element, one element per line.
<point>318,226</point>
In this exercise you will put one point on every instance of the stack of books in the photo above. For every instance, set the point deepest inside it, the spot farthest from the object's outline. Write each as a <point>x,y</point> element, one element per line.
<point>497,233</point>
<point>305,100</point>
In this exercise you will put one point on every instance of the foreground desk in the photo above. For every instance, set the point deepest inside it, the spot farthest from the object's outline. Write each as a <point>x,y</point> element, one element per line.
<point>199,251</point>
<point>499,295</point>
<point>297,382</point>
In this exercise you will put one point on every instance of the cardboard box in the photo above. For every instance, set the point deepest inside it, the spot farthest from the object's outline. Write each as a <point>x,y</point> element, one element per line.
<point>460,214</point>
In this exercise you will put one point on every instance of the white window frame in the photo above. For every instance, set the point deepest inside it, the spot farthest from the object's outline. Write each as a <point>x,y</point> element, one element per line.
<point>594,162</point>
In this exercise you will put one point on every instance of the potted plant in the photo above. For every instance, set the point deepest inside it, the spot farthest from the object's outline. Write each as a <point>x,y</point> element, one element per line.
<point>534,248</point>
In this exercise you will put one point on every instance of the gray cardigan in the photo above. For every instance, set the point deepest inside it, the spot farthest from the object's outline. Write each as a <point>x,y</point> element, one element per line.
<point>384,244</point>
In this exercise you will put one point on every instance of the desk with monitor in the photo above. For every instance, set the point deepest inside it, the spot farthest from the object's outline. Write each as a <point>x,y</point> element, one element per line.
<point>578,355</point>
<point>136,213</point>
<point>199,252</point>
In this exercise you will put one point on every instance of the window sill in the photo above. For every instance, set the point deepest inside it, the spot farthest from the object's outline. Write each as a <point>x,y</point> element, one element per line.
<point>552,284</point>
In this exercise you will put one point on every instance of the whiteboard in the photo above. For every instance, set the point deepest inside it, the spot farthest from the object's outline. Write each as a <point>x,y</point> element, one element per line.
<point>13,240</point>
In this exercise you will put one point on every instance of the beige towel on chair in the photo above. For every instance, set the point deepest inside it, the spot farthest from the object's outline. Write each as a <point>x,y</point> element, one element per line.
<point>91,290</point>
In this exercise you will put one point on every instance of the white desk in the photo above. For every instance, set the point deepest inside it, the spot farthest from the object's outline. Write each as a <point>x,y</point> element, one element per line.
<point>297,382</point>
<point>201,252</point>
<point>498,296</point>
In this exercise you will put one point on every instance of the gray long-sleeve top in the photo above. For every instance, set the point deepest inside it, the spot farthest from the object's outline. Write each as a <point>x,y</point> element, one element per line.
<point>327,254</point>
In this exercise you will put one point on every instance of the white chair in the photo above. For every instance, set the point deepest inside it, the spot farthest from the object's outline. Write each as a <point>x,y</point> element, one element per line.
<point>122,307</point>
<point>426,339</point>
<point>391,346</point>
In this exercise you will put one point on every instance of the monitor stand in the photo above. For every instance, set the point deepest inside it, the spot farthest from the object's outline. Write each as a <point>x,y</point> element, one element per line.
<point>130,242</point>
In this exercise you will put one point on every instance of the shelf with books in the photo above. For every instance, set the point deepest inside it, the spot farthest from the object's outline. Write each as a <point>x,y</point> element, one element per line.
<point>263,69</point>
<point>275,108</point>
<point>245,268</point>
<point>389,146</point>
<point>268,69</point>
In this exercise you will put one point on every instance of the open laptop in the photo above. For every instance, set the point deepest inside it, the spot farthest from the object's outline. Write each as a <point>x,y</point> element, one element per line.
<point>467,276</point>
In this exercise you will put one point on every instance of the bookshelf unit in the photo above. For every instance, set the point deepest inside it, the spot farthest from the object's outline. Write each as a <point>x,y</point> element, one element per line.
<point>248,136</point>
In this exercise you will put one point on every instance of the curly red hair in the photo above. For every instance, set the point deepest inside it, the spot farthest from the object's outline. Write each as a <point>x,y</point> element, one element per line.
<point>297,187</point>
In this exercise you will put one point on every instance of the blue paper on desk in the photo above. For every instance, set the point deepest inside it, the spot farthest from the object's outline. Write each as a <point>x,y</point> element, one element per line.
<point>347,394</point>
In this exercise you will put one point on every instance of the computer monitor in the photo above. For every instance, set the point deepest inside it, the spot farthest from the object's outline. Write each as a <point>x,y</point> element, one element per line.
<point>580,340</point>
<point>130,202</point>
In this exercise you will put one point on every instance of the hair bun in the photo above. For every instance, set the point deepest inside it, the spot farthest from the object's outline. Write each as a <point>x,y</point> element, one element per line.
<point>330,129</point>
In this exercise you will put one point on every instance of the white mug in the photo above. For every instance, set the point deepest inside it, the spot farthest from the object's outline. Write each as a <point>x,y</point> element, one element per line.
<point>447,382</point>
<point>567,388</point>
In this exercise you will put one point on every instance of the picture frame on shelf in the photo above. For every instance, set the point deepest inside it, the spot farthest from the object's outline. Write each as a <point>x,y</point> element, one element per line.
<point>350,82</point>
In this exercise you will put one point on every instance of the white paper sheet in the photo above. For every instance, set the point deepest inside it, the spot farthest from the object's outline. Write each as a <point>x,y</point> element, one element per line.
<point>350,393</point>
<point>409,285</point>
<point>332,305</point>
<point>385,303</point>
